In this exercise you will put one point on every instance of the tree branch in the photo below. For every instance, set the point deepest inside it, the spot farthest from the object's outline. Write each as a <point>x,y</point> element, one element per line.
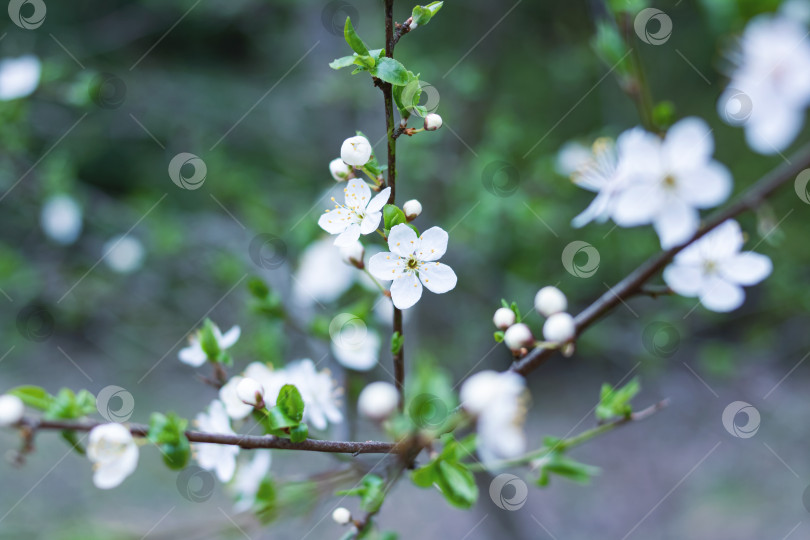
<point>242,441</point>
<point>634,282</point>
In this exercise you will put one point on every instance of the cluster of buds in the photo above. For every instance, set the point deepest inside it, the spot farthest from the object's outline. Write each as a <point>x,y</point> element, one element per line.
<point>559,327</point>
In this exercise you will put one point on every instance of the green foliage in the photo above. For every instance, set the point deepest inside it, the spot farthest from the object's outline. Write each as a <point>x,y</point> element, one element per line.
<point>354,41</point>
<point>391,71</point>
<point>371,492</point>
<point>265,300</point>
<point>284,419</point>
<point>168,433</point>
<point>611,47</point>
<point>35,397</point>
<point>615,402</point>
<point>446,471</point>
<point>392,215</point>
<point>275,500</point>
<point>290,402</point>
<point>67,405</point>
<point>422,14</point>
<point>514,307</point>
<point>397,340</point>
<point>558,464</point>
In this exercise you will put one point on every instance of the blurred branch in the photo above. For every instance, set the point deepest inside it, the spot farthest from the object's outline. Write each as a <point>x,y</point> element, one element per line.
<point>635,281</point>
<point>567,444</point>
<point>242,441</point>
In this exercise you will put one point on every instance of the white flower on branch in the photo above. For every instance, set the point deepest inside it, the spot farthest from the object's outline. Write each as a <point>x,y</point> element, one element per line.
<point>318,391</point>
<point>12,410</point>
<point>218,458</point>
<point>497,401</point>
<point>503,318</point>
<point>339,169</point>
<point>518,336</point>
<point>714,269</point>
<point>195,356</point>
<point>353,254</point>
<point>378,400</point>
<point>433,122</point>
<point>412,262</point>
<point>360,214</point>
<point>669,180</point>
<point>412,209</point>
<point>342,516</point>
<point>559,328</point>
<point>311,284</point>
<point>113,453</point>
<point>356,151</point>
<point>357,349</point>
<point>228,395</point>
<point>250,392</point>
<point>770,88</point>
<point>248,479</point>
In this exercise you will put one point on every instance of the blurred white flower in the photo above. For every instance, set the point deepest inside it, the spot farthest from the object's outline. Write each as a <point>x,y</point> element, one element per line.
<point>670,180</point>
<point>250,392</point>
<point>714,269</point>
<point>248,479</point>
<point>218,458</point>
<point>359,215</point>
<point>19,77</point>
<point>61,219</point>
<point>356,151</point>
<point>496,399</point>
<point>312,284</point>
<point>411,263</point>
<point>340,171</point>
<point>318,391</point>
<point>235,407</point>
<point>601,173</point>
<point>194,355</point>
<point>123,254</point>
<point>770,88</point>
<point>571,157</point>
<point>12,410</point>
<point>341,516</point>
<point>271,380</point>
<point>353,254</point>
<point>378,400</point>
<point>114,454</point>
<point>356,350</point>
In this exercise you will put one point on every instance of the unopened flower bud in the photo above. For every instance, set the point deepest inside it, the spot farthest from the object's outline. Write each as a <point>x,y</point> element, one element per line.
<point>353,254</point>
<point>250,391</point>
<point>433,122</point>
<point>559,328</point>
<point>503,318</point>
<point>550,300</point>
<point>517,336</point>
<point>356,151</point>
<point>11,410</point>
<point>340,171</point>
<point>378,400</point>
<point>342,516</point>
<point>412,209</point>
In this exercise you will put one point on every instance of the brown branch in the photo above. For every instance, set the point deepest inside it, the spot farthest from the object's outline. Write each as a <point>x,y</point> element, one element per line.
<point>634,282</point>
<point>242,441</point>
<point>402,29</point>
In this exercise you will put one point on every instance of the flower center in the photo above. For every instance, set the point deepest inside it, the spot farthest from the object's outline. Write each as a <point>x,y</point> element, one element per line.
<point>669,181</point>
<point>709,266</point>
<point>413,263</point>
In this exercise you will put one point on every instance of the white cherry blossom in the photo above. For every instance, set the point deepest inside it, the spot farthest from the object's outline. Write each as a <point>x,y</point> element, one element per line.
<point>669,180</point>
<point>235,407</point>
<point>378,400</point>
<point>518,336</point>
<point>114,454</point>
<point>339,169</point>
<point>218,458</point>
<point>714,269</point>
<point>12,410</point>
<point>550,300</point>
<point>559,328</point>
<point>411,263</point>
<point>355,350</point>
<point>770,88</point>
<point>356,151</point>
<point>503,318</point>
<point>360,213</point>
<point>318,390</point>
<point>249,477</point>
<point>194,355</point>
<point>311,285</point>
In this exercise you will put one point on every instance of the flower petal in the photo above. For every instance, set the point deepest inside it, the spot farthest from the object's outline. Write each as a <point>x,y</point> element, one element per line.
<point>684,279</point>
<point>437,277</point>
<point>334,221</point>
<point>111,473</point>
<point>772,130</point>
<point>676,223</point>
<point>358,194</point>
<point>406,291</point>
<point>637,205</point>
<point>230,337</point>
<point>720,295</point>
<point>433,244</point>
<point>705,186</point>
<point>370,222</point>
<point>688,145</point>
<point>402,240</point>
<point>376,204</point>
<point>192,355</point>
<point>746,268</point>
<point>349,236</point>
<point>386,266</point>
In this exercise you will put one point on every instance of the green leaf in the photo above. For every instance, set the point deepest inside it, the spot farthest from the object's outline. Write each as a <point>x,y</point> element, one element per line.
<point>353,39</point>
<point>425,477</point>
<point>34,396</point>
<point>67,405</point>
<point>290,402</point>
<point>274,420</point>
<point>208,341</point>
<point>422,14</point>
<point>457,484</point>
<point>342,62</point>
<point>299,433</point>
<point>393,215</point>
<point>176,455</point>
<point>371,491</point>
<point>391,71</point>
<point>498,335</point>
<point>616,402</point>
<point>397,340</point>
<point>560,465</point>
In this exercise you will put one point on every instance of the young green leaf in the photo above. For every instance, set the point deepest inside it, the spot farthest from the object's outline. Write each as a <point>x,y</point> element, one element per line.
<point>422,14</point>
<point>556,463</point>
<point>457,484</point>
<point>33,396</point>
<point>290,402</point>
<point>390,71</point>
<point>397,340</point>
<point>208,341</point>
<point>342,62</point>
<point>353,39</point>
<point>393,215</point>
<point>616,401</point>
<point>299,433</point>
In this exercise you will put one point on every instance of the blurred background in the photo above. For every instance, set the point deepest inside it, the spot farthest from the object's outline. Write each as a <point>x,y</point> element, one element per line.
<point>107,265</point>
